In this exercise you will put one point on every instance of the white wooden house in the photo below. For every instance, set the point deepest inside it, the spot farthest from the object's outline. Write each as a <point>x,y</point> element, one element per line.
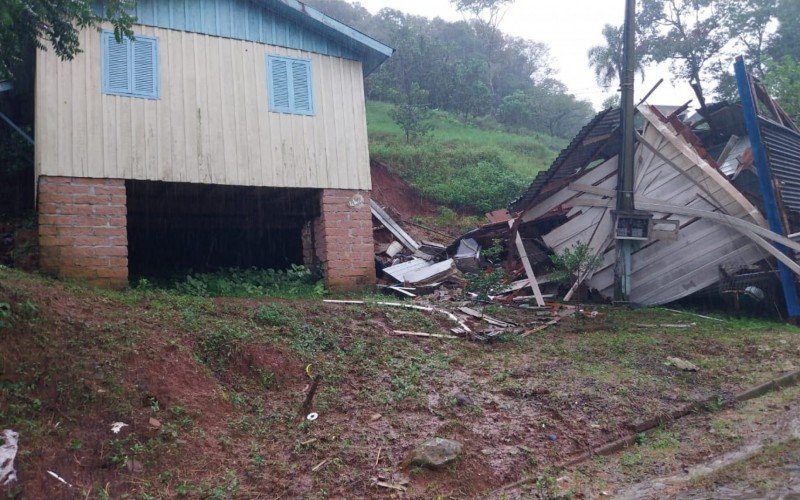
<point>227,132</point>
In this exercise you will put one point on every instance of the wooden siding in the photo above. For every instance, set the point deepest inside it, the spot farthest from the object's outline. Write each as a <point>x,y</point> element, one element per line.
<point>211,124</point>
<point>662,270</point>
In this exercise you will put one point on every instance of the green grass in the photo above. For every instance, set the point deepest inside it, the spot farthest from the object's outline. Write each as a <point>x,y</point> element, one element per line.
<point>460,164</point>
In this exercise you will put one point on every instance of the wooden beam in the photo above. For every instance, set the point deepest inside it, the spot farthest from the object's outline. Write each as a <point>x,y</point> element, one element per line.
<point>392,226</point>
<point>526,263</point>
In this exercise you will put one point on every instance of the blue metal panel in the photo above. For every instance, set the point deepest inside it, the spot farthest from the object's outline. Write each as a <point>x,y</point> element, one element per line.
<point>765,183</point>
<point>285,23</point>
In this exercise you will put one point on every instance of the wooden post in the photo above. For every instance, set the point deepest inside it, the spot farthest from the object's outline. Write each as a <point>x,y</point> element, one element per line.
<point>526,263</point>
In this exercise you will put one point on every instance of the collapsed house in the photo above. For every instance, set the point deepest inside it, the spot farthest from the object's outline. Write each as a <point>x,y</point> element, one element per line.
<point>697,182</point>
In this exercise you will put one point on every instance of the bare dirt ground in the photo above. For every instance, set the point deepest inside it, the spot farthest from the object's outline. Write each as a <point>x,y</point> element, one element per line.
<point>225,378</point>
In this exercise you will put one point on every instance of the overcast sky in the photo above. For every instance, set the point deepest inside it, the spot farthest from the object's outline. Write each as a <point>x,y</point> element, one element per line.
<point>569,28</point>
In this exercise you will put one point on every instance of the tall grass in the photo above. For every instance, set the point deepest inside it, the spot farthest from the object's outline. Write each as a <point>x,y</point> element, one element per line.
<point>458,164</point>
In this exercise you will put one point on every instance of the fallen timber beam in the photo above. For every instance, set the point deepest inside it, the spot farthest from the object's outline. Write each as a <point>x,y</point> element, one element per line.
<point>526,263</point>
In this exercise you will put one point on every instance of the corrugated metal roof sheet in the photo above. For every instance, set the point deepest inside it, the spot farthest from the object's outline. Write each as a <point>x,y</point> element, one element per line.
<point>783,149</point>
<point>583,149</point>
<point>731,163</point>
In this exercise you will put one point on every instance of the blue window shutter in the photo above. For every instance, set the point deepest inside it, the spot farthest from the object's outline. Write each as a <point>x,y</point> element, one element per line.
<point>116,65</point>
<point>130,67</point>
<point>145,67</point>
<point>280,100</point>
<point>290,85</point>
<point>301,87</point>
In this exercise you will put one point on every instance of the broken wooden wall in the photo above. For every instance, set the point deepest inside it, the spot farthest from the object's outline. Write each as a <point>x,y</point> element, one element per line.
<point>675,183</point>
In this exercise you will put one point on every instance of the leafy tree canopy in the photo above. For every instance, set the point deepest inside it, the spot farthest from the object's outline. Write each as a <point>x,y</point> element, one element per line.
<point>57,23</point>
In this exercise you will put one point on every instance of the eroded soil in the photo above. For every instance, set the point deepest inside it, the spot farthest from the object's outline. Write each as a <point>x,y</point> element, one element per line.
<point>225,379</point>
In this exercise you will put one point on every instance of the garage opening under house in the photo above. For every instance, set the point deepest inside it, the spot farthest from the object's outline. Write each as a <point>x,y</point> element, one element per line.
<point>227,133</point>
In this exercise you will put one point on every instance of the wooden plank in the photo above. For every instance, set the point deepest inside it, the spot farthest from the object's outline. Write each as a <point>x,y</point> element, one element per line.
<point>526,263</point>
<point>423,334</point>
<point>393,227</point>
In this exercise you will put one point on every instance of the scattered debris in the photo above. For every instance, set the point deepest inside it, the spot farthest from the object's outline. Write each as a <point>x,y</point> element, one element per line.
<point>375,417</point>
<point>155,423</point>
<point>312,416</point>
<point>682,364</point>
<point>394,248</point>
<point>8,452</point>
<point>552,437</point>
<point>423,334</point>
<point>666,325</point>
<point>431,274</point>
<point>389,223</point>
<point>117,426</point>
<point>306,406</point>
<point>60,479</point>
<point>468,256</point>
<point>399,271</point>
<point>134,465</point>
<point>391,486</point>
<point>436,452</point>
<point>320,465</point>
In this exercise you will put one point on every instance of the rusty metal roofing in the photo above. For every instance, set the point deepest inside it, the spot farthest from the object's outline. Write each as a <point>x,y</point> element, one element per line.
<point>783,150</point>
<point>584,148</point>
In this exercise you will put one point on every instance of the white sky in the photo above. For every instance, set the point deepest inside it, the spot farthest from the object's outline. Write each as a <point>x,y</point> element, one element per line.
<point>569,28</point>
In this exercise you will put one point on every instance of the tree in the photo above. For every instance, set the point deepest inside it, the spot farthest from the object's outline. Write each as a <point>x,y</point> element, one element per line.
<point>412,113</point>
<point>612,101</point>
<point>489,11</point>
<point>35,23</point>
<point>606,59</point>
<point>471,93</point>
<point>786,41</point>
<point>690,34</point>
<point>783,82</point>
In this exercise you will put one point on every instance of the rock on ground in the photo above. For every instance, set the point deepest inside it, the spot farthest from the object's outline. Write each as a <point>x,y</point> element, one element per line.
<point>436,452</point>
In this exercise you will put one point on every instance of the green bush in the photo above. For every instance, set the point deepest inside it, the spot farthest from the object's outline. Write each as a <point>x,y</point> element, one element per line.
<point>234,282</point>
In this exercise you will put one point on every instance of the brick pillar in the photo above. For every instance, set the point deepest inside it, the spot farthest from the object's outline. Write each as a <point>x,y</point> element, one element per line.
<point>343,239</point>
<point>83,229</point>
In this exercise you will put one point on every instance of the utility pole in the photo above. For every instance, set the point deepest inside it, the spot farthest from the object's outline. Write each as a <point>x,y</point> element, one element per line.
<point>625,174</point>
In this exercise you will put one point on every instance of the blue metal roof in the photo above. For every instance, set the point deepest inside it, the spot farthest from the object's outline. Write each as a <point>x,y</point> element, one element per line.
<point>285,23</point>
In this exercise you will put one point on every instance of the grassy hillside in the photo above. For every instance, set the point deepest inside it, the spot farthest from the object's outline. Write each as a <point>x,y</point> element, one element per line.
<point>460,164</point>
<point>211,390</point>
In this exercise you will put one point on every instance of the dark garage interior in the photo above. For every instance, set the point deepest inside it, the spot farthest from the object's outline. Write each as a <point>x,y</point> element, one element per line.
<point>177,227</point>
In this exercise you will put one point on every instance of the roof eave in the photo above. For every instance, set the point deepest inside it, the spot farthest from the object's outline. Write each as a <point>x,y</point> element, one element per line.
<point>375,52</point>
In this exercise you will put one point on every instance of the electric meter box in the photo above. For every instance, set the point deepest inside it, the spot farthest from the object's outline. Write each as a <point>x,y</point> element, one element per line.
<point>633,225</point>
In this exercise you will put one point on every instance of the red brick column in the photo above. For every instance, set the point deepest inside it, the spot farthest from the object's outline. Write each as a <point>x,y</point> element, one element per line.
<point>83,229</point>
<point>343,239</point>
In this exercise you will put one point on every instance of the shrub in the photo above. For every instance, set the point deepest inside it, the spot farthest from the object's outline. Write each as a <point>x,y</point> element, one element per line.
<point>574,262</point>
<point>234,282</point>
